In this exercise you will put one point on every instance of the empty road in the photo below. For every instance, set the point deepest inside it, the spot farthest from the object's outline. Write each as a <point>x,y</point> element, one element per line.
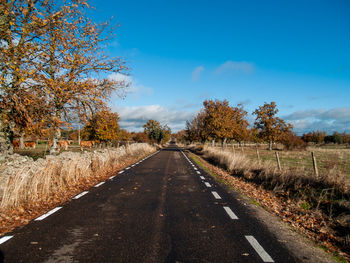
<point>161,209</point>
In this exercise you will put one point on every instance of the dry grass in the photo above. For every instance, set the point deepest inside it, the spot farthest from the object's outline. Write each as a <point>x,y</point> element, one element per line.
<point>297,169</point>
<point>24,181</point>
<point>326,196</point>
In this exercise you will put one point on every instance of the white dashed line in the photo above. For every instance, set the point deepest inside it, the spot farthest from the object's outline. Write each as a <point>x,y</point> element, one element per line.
<point>99,184</point>
<point>110,178</point>
<point>5,238</point>
<point>230,212</point>
<point>195,168</point>
<point>48,214</point>
<point>216,195</point>
<point>80,195</point>
<point>207,184</point>
<point>202,177</point>
<point>198,172</point>
<point>259,249</point>
<point>121,172</point>
<point>127,168</point>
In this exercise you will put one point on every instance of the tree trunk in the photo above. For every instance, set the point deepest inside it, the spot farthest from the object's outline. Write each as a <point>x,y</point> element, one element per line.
<point>54,148</point>
<point>6,137</point>
<point>21,141</point>
<point>270,145</point>
<point>224,143</point>
<point>213,143</point>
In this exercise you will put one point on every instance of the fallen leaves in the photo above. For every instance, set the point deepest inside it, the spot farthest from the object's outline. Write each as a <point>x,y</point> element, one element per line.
<point>312,224</point>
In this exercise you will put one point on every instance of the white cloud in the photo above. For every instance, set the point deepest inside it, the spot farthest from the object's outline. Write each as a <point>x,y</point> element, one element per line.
<point>133,118</point>
<point>196,73</point>
<point>233,67</point>
<point>133,88</point>
<point>337,119</point>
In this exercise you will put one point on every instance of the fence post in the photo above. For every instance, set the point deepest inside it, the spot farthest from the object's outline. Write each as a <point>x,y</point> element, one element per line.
<point>314,163</point>
<point>278,161</point>
<point>257,153</point>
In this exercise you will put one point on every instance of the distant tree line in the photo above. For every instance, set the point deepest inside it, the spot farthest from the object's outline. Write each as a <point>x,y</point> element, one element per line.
<point>218,121</point>
<point>319,137</point>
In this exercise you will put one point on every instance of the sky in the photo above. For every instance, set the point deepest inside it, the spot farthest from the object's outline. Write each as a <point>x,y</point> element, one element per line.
<point>180,53</point>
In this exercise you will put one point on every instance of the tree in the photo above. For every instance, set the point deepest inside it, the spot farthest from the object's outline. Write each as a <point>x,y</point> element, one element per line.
<point>223,121</point>
<point>103,126</point>
<point>270,128</point>
<point>140,137</point>
<point>196,129</point>
<point>21,28</point>
<point>156,132</point>
<point>72,58</point>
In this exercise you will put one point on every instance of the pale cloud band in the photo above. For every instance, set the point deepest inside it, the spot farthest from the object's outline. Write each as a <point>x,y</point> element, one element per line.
<point>233,67</point>
<point>133,118</point>
<point>196,73</point>
<point>337,119</point>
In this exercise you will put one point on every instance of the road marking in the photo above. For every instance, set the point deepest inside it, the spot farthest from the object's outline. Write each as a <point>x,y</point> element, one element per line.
<point>195,168</point>
<point>122,171</point>
<point>216,195</point>
<point>198,172</point>
<point>99,184</point>
<point>230,212</point>
<point>5,238</point>
<point>259,249</point>
<point>127,168</point>
<point>207,184</point>
<point>110,178</point>
<point>202,177</point>
<point>133,165</point>
<point>48,214</point>
<point>80,195</point>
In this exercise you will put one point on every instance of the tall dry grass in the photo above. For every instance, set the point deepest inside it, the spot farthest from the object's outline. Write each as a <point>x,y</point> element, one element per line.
<point>267,174</point>
<point>25,181</point>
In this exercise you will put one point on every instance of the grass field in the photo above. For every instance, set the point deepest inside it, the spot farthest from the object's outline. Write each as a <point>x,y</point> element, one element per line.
<point>333,159</point>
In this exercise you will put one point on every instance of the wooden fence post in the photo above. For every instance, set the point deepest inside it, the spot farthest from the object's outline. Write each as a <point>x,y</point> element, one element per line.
<point>314,163</point>
<point>278,161</point>
<point>257,153</point>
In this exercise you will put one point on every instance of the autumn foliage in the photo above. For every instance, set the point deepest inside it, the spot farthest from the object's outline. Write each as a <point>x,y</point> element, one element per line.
<point>53,68</point>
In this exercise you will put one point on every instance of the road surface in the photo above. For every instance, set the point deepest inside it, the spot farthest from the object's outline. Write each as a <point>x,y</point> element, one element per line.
<point>162,209</point>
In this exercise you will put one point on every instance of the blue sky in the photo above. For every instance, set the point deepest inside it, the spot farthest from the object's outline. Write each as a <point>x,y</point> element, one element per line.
<point>296,53</point>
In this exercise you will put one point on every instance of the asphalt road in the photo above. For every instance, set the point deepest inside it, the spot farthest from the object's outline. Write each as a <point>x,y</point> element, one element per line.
<point>163,209</point>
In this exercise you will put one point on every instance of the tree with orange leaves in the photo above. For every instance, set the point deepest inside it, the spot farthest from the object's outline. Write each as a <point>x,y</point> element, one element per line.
<point>225,122</point>
<point>70,64</point>
<point>270,127</point>
<point>103,126</point>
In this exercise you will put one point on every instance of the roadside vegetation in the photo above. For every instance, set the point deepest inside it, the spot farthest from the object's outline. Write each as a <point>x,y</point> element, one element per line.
<point>28,187</point>
<point>308,176</point>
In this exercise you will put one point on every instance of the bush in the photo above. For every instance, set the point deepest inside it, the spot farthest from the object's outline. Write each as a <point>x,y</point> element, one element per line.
<point>292,141</point>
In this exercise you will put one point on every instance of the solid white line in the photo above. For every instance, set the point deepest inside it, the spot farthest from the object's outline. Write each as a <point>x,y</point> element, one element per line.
<point>48,213</point>
<point>202,177</point>
<point>259,249</point>
<point>230,212</point>
<point>216,195</point>
<point>80,195</point>
<point>5,238</point>
<point>99,184</point>
<point>198,172</point>
<point>207,184</point>
<point>121,172</point>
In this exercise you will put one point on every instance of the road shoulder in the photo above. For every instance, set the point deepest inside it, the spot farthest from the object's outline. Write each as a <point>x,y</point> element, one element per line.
<point>300,246</point>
